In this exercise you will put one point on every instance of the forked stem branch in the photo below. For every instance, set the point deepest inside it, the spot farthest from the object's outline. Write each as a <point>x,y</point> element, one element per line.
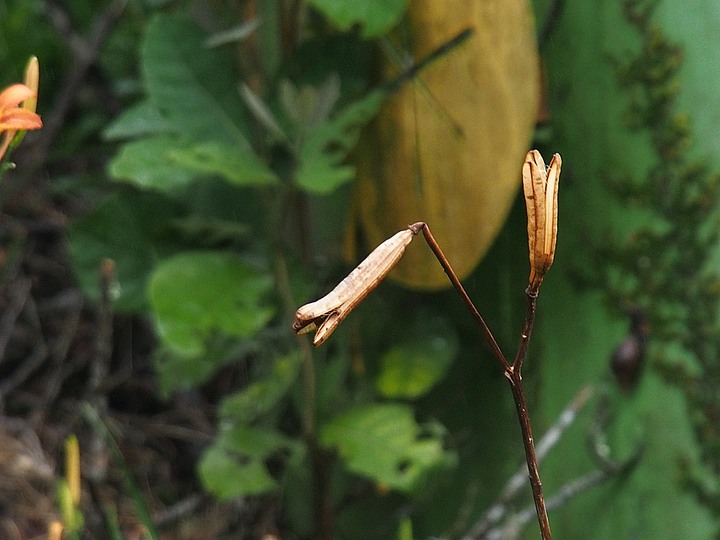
<point>513,372</point>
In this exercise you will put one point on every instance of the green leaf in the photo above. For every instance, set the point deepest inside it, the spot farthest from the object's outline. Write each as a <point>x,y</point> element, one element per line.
<point>411,369</point>
<point>123,228</point>
<point>141,119</point>
<point>198,295</point>
<point>151,164</point>
<point>238,167</point>
<point>234,464</point>
<point>384,443</point>
<point>321,156</point>
<point>227,477</point>
<point>167,163</point>
<point>194,87</point>
<point>375,17</point>
<point>260,396</point>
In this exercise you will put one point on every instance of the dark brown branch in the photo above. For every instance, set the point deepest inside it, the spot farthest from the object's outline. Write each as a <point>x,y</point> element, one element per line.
<point>533,472</point>
<point>513,372</point>
<point>99,370</point>
<point>452,276</point>
<point>100,366</point>
<point>18,292</point>
<point>567,492</point>
<point>527,331</point>
<point>499,508</point>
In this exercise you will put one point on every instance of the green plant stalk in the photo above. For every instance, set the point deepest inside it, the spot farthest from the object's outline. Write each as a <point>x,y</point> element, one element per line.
<point>72,517</point>
<point>112,524</point>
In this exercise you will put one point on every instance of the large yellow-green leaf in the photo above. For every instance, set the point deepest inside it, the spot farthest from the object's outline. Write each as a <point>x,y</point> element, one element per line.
<point>448,147</point>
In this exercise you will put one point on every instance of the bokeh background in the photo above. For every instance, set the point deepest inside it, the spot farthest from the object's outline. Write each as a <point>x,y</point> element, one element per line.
<point>207,167</point>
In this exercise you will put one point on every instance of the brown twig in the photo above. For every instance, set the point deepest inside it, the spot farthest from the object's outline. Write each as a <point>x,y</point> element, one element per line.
<point>452,276</point>
<point>71,303</point>
<point>499,508</point>
<point>514,377</point>
<point>100,366</point>
<point>533,472</point>
<point>18,291</point>
<point>513,372</point>
<point>35,360</point>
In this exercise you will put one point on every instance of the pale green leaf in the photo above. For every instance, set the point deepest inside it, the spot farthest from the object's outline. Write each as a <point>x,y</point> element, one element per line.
<point>235,466</point>
<point>384,443</point>
<point>149,164</point>
<point>197,295</point>
<point>409,370</point>
<point>237,166</point>
<point>141,119</point>
<point>226,477</point>
<point>375,17</point>
<point>321,169</point>
<point>261,395</point>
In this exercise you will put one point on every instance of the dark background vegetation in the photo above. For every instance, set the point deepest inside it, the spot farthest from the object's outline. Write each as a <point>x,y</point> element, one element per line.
<point>222,214</point>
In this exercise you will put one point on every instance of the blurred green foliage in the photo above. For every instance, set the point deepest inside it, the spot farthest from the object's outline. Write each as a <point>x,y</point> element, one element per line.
<point>206,167</point>
<point>649,211</point>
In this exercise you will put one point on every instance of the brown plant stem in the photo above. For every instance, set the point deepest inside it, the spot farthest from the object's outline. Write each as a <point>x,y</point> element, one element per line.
<point>440,256</point>
<point>533,473</point>
<point>498,511</point>
<point>514,377</point>
<point>513,372</point>
<point>531,295</point>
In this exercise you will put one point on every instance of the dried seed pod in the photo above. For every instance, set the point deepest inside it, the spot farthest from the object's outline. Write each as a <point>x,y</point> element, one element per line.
<point>540,187</point>
<point>329,311</point>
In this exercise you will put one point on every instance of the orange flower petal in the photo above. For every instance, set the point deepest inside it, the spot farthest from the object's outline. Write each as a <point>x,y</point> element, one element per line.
<point>17,119</point>
<point>13,95</point>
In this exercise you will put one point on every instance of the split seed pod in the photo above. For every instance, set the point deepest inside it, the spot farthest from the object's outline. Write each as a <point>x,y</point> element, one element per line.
<point>329,311</point>
<point>540,186</point>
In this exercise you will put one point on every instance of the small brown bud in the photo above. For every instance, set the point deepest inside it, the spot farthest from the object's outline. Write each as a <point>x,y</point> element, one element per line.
<point>540,186</point>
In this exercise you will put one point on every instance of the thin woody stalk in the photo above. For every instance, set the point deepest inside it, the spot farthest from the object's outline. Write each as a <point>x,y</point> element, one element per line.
<point>440,256</point>
<point>530,458</point>
<point>514,377</point>
<point>540,187</point>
